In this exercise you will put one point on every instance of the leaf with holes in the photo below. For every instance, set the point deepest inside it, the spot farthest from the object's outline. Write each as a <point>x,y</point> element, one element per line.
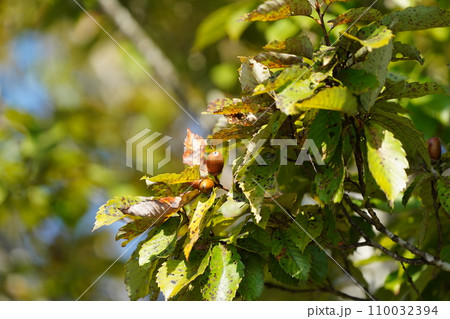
<point>337,98</point>
<point>112,211</point>
<point>160,243</point>
<point>372,36</point>
<point>330,183</point>
<point>197,222</point>
<point>289,256</point>
<point>257,180</point>
<point>443,188</point>
<point>404,51</point>
<point>174,275</point>
<point>272,10</point>
<point>325,131</point>
<point>417,18</point>
<point>354,14</point>
<point>225,273</point>
<point>386,160</point>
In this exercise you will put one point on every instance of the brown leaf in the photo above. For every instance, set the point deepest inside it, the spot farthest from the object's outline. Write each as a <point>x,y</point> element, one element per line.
<point>158,209</point>
<point>194,152</point>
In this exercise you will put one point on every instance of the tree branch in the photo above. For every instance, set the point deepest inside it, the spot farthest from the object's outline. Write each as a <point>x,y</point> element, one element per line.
<point>438,219</point>
<point>426,258</point>
<point>330,290</point>
<point>322,23</point>
<point>375,244</point>
<point>411,282</point>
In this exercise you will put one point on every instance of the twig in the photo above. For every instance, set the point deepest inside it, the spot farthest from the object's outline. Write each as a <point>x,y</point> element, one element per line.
<point>355,140</point>
<point>426,258</point>
<point>330,290</point>
<point>375,244</point>
<point>322,23</point>
<point>355,245</point>
<point>438,219</point>
<point>411,282</point>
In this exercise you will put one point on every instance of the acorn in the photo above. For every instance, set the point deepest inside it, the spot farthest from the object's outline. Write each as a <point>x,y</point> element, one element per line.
<point>434,148</point>
<point>206,185</point>
<point>214,163</point>
<point>196,184</point>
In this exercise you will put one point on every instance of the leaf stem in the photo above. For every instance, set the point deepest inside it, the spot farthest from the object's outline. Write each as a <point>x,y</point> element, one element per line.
<point>321,22</point>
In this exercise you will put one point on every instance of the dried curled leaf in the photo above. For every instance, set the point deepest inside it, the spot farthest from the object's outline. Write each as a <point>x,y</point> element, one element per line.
<point>157,209</point>
<point>194,151</point>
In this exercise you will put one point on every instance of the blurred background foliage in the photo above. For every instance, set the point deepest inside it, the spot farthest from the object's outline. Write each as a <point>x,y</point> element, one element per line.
<point>70,98</point>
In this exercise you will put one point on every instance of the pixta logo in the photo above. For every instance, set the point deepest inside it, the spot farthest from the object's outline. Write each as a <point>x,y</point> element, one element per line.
<point>142,146</point>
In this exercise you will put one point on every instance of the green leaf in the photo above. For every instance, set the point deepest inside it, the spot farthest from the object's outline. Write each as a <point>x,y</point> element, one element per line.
<point>404,51</point>
<point>356,14</point>
<point>310,228</point>
<point>298,90</point>
<point>279,9</point>
<point>319,260</point>
<point>300,45</point>
<point>254,239</point>
<point>417,18</point>
<point>413,90</point>
<point>325,131</point>
<point>386,160</point>
<point>443,188</point>
<point>330,183</point>
<point>161,244</point>
<point>376,63</point>
<point>413,186</point>
<point>291,259</point>
<point>225,274</point>
<point>112,210</point>
<point>197,222</point>
<point>254,146</point>
<point>359,81</point>
<point>279,274</point>
<point>372,36</point>
<point>133,229</point>
<point>412,139</point>
<point>337,98</point>
<point>189,174</point>
<point>174,275</point>
<point>257,180</point>
<point>252,284</point>
<point>138,279</point>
